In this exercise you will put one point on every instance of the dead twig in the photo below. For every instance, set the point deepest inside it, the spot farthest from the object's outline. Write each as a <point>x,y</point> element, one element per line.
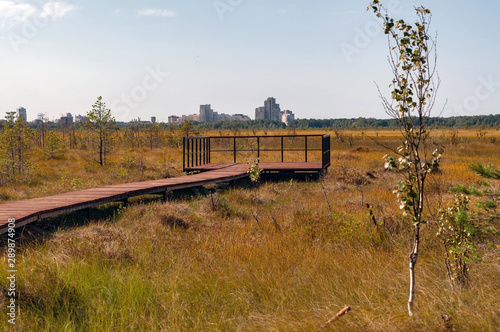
<point>372,215</point>
<point>256,218</point>
<point>339,314</point>
<point>326,196</point>
<point>213,203</point>
<point>277,227</point>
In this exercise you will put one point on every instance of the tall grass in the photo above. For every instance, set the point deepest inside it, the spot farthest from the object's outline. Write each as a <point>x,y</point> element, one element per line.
<point>190,265</point>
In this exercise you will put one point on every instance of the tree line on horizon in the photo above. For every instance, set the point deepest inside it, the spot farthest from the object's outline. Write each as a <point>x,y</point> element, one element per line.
<point>473,121</point>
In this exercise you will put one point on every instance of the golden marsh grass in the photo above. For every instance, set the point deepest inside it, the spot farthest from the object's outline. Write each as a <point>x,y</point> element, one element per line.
<point>192,265</point>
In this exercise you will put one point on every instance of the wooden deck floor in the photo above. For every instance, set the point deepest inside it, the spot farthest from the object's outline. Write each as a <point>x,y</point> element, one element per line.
<point>30,210</point>
<point>269,167</point>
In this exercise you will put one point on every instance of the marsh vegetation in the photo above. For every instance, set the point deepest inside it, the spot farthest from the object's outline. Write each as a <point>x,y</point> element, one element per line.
<point>200,261</point>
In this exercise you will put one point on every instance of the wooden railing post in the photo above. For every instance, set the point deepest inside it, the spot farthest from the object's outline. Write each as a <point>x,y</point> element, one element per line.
<point>205,150</point>
<point>195,155</point>
<point>305,146</point>
<point>234,149</point>
<point>325,147</point>
<point>198,161</point>
<point>187,153</point>
<point>258,148</point>
<point>190,151</point>
<point>282,149</point>
<point>183,154</point>
<point>198,154</point>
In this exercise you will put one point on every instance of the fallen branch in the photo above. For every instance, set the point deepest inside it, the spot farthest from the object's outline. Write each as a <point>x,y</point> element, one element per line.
<point>339,314</point>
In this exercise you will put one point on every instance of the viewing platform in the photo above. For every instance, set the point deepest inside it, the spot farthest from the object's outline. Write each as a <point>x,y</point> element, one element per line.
<point>289,154</point>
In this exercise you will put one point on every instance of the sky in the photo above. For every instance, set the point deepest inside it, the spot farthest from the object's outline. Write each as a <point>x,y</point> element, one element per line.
<point>319,59</point>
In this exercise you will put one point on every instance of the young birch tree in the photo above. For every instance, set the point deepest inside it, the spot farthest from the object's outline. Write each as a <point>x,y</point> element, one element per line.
<point>412,58</point>
<point>101,123</point>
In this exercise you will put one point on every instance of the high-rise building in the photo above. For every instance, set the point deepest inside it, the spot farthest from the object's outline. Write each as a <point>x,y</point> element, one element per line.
<point>260,114</point>
<point>173,119</point>
<point>66,120</point>
<point>206,113</point>
<point>153,119</point>
<point>21,114</point>
<point>287,117</point>
<point>270,110</point>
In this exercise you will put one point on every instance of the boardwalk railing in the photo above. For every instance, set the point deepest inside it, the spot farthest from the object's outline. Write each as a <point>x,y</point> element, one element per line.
<point>198,151</point>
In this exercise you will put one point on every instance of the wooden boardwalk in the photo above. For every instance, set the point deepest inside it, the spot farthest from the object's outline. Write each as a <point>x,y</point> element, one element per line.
<point>30,210</point>
<point>197,157</point>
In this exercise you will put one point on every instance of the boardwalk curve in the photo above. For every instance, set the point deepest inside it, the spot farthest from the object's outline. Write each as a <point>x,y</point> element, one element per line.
<point>199,155</point>
<point>30,210</point>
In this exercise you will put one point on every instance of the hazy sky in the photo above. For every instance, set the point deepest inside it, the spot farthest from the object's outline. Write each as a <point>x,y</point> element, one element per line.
<point>318,58</point>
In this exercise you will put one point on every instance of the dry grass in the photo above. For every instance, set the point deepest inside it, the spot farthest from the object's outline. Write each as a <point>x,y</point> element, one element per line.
<point>188,264</point>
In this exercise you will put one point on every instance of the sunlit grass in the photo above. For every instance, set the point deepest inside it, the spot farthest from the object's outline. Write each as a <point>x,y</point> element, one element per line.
<point>279,256</point>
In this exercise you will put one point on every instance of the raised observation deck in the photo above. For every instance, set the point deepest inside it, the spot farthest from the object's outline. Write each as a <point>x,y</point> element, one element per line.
<point>276,153</point>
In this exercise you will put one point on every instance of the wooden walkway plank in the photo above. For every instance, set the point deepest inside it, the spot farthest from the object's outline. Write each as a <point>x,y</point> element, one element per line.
<point>30,210</point>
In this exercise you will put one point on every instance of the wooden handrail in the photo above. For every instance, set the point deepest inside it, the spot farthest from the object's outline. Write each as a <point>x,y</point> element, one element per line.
<point>197,150</point>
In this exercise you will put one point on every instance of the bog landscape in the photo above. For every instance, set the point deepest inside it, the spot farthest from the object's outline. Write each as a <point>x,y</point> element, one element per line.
<point>281,254</point>
<point>216,222</point>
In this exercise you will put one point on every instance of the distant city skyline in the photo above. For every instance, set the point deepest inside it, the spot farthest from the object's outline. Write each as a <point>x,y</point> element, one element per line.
<point>320,59</point>
<point>207,114</point>
<point>271,110</point>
